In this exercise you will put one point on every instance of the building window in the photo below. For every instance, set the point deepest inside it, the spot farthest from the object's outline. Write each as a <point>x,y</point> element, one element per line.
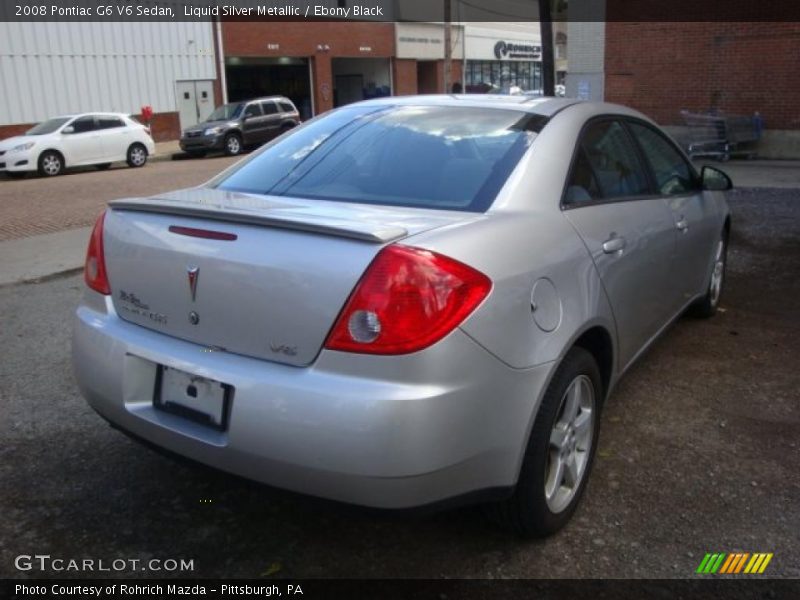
<point>483,76</point>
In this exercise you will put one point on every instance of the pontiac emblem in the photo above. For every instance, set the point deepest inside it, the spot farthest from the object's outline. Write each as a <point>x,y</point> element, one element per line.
<point>193,273</point>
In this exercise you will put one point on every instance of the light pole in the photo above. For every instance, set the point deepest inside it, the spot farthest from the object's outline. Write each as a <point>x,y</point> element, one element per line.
<point>448,50</point>
<point>548,59</point>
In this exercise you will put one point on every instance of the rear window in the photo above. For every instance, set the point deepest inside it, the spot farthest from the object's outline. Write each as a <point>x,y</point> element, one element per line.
<point>454,158</point>
<point>109,122</point>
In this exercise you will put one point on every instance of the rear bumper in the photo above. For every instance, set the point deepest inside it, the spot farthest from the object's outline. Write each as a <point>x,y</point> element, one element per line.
<point>385,432</point>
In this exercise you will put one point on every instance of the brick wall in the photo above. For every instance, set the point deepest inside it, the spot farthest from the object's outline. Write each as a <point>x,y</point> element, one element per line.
<point>739,68</point>
<point>300,39</point>
<point>164,126</point>
<point>405,76</point>
<point>7,131</point>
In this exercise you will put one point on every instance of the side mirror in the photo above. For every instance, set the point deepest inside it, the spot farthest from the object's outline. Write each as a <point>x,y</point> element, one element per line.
<point>68,129</point>
<point>715,180</point>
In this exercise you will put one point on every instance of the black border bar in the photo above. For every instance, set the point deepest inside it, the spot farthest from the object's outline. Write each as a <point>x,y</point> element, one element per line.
<point>734,588</point>
<point>397,10</point>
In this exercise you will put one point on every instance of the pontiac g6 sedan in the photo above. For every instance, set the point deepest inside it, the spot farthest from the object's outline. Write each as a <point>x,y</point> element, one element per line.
<point>405,302</point>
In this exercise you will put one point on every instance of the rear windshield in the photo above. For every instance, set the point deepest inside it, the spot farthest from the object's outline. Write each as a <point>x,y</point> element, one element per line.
<point>439,157</point>
<point>47,127</point>
<point>225,112</point>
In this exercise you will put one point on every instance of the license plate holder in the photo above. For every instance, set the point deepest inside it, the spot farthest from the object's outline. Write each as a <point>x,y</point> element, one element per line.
<point>199,399</point>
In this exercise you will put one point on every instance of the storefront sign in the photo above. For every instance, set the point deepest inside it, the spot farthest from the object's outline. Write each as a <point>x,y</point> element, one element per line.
<point>425,41</point>
<point>515,50</point>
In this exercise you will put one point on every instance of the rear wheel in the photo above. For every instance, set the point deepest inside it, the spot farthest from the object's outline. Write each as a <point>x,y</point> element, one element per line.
<point>707,306</point>
<point>51,163</point>
<point>137,156</point>
<point>233,144</point>
<point>560,451</point>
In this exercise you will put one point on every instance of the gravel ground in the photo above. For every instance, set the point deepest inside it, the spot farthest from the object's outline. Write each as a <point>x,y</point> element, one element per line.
<point>698,453</point>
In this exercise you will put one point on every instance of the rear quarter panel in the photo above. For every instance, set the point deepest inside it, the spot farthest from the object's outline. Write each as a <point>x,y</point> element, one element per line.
<point>523,238</point>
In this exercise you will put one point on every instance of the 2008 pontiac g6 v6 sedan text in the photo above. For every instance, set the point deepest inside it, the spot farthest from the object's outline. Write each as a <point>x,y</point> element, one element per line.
<point>404,301</point>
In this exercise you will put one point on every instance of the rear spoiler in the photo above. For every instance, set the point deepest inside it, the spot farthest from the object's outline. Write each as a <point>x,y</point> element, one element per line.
<point>320,224</point>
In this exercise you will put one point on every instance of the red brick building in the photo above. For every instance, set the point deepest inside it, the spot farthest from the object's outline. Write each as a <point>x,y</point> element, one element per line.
<point>738,68</point>
<point>322,65</point>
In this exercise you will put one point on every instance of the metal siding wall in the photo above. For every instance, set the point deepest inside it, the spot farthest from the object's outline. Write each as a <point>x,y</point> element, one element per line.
<point>47,69</point>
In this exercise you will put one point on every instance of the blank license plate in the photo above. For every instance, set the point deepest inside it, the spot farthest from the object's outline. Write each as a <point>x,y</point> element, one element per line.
<point>196,398</point>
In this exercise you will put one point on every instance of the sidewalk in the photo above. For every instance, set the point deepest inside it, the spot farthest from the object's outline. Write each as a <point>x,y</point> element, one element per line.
<point>46,255</point>
<point>165,150</point>
<point>43,255</point>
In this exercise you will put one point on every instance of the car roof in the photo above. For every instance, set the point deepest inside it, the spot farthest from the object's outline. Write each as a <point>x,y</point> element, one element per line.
<point>542,105</point>
<point>262,98</point>
<point>88,114</point>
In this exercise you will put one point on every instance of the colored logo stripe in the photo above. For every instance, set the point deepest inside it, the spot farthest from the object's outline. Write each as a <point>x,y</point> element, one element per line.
<point>758,563</point>
<point>711,563</point>
<point>734,563</point>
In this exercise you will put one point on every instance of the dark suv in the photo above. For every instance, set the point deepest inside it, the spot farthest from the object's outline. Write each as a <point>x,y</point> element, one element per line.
<point>233,126</point>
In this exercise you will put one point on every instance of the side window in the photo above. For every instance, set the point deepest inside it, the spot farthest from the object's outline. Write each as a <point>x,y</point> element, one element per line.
<point>672,173</point>
<point>109,122</point>
<point>84,124</point>
<point>286,107</point>
<point>582,183</point>
<point>252,110</point>
<point>613,159</point>
<point>269,108</point>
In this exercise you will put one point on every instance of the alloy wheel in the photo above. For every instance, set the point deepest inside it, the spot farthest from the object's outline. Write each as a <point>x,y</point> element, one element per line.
<point>138,156</point>
<point>51,164</point>
<point>570,444</point>
<point>718,273</point>
<point>233,145</point>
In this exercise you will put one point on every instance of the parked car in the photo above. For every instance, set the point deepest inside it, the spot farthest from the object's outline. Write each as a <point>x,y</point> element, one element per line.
<point>405,301</point>
<point>232,127</point>
<point>98,139</point>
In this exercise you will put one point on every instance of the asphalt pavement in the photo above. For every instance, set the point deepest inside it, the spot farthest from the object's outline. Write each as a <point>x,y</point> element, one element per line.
<point>698,453</point>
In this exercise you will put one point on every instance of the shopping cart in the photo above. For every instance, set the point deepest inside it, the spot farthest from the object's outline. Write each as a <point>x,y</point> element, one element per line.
<point>721,136</point>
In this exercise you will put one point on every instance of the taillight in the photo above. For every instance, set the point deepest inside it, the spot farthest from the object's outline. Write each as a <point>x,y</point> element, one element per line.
<point>94,270</point>
<point>407,300</point>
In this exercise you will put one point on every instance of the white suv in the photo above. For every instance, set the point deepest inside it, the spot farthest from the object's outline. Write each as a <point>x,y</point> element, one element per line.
<point>76,140</point>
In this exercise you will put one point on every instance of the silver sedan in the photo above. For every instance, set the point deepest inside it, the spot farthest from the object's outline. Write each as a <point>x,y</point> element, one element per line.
<point>404,302</point>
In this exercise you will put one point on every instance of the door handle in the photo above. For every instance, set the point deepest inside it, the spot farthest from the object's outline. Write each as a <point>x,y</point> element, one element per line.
<point>613,245</point>
<point>682,224</point>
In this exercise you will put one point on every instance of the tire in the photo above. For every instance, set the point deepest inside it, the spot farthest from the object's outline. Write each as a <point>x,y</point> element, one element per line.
<point>233,144</point>
<point>137,156</point>
<point>51,163</point>
<point>103,166</point>
<point>707,306</point>
<point>543,500</point>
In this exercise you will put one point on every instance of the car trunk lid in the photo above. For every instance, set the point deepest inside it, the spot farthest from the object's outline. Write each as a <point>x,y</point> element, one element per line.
<point>270,287</point>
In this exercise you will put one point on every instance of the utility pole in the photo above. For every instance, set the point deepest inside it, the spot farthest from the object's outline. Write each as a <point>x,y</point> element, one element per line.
<point>448,48</point>
<point>548,58</point>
